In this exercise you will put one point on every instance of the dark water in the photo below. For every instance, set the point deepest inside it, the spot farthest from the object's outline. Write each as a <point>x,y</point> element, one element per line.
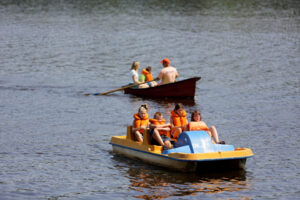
<point>54,141</point>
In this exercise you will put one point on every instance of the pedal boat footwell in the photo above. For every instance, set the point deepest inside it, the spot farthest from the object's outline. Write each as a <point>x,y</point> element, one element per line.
<point>193,151</point>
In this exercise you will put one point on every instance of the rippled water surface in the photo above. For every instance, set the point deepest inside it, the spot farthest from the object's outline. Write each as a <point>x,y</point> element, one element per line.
<point>54,140</point>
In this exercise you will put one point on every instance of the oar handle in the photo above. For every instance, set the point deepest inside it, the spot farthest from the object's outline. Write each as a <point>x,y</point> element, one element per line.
<point>122,88</point>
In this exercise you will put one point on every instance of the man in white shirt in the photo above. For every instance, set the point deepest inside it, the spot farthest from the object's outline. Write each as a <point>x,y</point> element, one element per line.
<point>168,74</point>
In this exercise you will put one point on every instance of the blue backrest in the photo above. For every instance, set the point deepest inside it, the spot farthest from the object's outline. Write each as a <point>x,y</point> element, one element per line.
<point>197,142</point>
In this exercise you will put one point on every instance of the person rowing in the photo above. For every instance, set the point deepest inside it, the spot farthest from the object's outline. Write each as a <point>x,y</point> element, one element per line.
<point>168,74</point>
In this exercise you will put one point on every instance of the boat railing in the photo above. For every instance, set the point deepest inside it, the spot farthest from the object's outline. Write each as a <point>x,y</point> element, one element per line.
<point>146,136</point>
<point>130,134</point>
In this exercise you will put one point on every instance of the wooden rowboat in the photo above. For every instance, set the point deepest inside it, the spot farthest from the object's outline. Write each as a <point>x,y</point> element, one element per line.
<point>179,89</point>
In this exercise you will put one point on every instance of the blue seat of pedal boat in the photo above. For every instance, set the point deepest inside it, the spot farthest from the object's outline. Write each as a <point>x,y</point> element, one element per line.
<point>197,142</point>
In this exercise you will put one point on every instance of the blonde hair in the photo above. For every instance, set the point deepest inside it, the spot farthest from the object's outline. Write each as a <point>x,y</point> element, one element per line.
<point>145,106</point>
<point>135,65</point>
<point>141,109</point>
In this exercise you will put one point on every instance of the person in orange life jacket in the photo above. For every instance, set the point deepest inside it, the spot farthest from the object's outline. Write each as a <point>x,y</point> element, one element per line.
<point>140,123</point>
<point>160,131</point>
<point>178,120</point>
<point>197,124</point>
<point>146,76</point>
<point>135,76</point>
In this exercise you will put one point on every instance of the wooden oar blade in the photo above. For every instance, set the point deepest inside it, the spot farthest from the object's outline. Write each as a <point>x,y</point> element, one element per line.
<point>95,94</point>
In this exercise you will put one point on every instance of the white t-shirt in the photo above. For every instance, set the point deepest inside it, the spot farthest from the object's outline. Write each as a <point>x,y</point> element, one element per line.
<point>133,73</point>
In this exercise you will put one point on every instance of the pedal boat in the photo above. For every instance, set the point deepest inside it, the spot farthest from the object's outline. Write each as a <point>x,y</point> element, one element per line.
<point>194,151</point>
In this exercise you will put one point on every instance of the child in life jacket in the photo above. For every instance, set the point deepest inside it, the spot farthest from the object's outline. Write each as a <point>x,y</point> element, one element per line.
<point>146,76</point>
<point>197,124</point>
<point>178,120</point>
<point>140,123</point>
<point>160,131</point>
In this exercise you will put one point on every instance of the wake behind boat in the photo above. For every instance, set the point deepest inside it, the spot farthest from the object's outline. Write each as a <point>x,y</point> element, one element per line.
<point>179,89</point>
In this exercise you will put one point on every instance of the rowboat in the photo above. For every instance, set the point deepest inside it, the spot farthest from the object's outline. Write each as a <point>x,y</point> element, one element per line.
<point>193,152</point>
<point>179,89</point>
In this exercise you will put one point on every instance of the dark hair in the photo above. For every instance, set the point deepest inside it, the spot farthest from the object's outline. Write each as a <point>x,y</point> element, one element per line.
<point>178,106</point>
<point>157,113</point>
<point>196,112</point>
<point>149,69</point>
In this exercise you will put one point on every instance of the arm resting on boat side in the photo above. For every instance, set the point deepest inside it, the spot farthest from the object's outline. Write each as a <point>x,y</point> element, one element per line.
<point>137,132</point>
<point>164,127</point>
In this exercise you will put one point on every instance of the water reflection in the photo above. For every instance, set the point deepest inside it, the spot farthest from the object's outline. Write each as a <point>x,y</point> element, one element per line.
<point>156,183</point>
<point>166,101</point>
<point>161,184</point>
<point>162,105</point>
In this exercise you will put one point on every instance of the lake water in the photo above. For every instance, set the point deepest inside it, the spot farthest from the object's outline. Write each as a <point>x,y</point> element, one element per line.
<point>54,140</point>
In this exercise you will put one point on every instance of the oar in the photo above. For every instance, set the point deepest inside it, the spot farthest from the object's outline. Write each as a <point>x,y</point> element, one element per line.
<point>122,88</point>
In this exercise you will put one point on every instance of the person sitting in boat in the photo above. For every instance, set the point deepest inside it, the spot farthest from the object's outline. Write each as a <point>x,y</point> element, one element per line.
<point>140,123</point>
<point>197,124</point>
<point>146,76</point>
<point>135,76</point>
<point>178,120</point>
<point>168,74</point>
<point>160,131</point>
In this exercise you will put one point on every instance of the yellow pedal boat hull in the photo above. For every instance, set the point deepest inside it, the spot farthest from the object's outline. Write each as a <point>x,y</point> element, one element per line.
<point>185,162</point>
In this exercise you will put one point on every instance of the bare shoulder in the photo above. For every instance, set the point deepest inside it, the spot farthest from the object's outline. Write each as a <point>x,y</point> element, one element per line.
<point>173,68</point>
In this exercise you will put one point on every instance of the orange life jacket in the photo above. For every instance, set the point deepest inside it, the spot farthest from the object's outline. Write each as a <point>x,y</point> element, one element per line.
<point>148,75</point>
<point>161,122</point>
<point>138,122</point>
<point>198,126</point>
<point>179,120</point>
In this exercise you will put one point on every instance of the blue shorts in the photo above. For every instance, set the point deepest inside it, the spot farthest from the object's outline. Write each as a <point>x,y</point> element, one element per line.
<point>135,87</point>
<point>163,137</point>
